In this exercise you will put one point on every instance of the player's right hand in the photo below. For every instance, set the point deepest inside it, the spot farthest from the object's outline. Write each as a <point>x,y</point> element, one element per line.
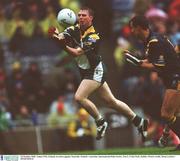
<point>53,31</point>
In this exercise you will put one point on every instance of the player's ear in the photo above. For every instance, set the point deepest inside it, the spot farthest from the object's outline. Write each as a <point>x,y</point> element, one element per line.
<point>91,17</point>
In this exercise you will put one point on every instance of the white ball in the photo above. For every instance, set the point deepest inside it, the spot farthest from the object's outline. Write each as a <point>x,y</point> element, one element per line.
<point>66,17</point>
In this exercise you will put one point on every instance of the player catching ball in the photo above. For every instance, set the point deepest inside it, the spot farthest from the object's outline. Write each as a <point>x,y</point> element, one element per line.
<point>82,42</point>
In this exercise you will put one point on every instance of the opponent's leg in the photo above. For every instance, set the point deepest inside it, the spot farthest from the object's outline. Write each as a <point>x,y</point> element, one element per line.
<point>171,104</point>
<point>163,140</point>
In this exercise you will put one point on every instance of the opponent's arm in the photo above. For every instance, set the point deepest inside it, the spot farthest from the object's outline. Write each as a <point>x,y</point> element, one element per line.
<point>146,64</point>
<point>132,59</point>
<point>137,62</point>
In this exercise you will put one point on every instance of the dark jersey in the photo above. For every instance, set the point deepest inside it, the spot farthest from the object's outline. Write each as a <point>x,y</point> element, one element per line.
<point>160,52</point>
<point>89,42</point>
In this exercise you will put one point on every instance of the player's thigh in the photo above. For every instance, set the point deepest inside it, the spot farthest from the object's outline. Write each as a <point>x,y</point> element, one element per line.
<point>171,102</point>
<point>105,93</point>
<point>87,87</point>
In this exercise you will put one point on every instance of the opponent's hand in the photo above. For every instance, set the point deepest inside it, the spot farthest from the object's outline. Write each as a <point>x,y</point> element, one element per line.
<point>132,59</point>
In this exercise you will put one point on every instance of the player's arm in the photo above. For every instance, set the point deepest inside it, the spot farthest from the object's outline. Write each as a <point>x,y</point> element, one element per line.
<point>88,46</point>
<point>153,61</point>
<point>53,32</point>
<point>146,64</point>
<point>74,51</point>
<point>63,41</point>
<point>155,55</point>
<point>130,58</point>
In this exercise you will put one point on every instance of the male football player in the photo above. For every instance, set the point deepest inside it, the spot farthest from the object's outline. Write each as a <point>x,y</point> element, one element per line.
<point>161,57</point>
<point>82,42</point>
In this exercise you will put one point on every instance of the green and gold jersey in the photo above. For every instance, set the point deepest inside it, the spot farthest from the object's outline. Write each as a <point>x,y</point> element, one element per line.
<point>89,42</point>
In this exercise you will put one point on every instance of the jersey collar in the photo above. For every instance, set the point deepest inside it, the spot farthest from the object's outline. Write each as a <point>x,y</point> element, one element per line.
<point>88,31</point>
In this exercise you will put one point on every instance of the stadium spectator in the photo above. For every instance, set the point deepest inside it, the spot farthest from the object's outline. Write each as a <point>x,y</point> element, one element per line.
<point>17,41</point>
<point>58,115</point>
<point>81,132</point>
<point>1,56</point>
<point>43,100</point>
<point>31,76</point>
<point>24,116</point>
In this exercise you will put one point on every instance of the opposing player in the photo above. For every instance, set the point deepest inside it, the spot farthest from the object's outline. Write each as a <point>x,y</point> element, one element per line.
<point>161,57</point>
<point>81,41</point>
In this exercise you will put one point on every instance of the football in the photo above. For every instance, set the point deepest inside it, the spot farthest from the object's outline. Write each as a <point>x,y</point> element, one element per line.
<point>66,17</point>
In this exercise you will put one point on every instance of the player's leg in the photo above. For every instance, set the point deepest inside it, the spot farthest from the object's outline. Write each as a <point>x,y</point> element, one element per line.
<point>171,104</point>
<point>106,94</point>
<point>86,88</point>
<point>163,140</point>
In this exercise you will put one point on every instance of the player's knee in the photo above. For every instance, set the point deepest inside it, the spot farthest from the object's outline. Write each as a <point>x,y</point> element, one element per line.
<point>111,102</point>
<point>78,98</point>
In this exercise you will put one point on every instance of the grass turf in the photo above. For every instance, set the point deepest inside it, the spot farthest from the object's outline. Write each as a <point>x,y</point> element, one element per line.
<point>125,151</point>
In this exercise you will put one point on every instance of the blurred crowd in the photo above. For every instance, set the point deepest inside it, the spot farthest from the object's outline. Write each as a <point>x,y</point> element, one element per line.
<point>26,90</point>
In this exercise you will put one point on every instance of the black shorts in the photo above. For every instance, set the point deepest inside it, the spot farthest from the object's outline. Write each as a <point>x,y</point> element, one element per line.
<point>98,73</point>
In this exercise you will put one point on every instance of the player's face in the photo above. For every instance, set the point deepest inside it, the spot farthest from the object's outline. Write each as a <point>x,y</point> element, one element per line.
<point>85,20</point>
<point>138,32</point>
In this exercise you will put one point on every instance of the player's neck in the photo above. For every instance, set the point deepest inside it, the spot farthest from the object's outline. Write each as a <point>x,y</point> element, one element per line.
<point>146,34</point>
<point>84,28</point>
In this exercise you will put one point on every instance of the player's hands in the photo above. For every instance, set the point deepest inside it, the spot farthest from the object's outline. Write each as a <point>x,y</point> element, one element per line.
<point>131,58</point>
<point>53,32</point>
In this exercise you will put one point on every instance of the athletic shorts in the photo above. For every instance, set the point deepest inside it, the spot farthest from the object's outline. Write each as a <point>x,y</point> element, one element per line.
<point>98,73</point>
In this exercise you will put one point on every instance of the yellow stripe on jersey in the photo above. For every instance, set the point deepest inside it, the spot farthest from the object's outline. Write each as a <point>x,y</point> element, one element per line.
<point>71,27</point>
<point>89,30</point>
<point>159,65</point>
<point>94,36</point>
<point>153,40</point>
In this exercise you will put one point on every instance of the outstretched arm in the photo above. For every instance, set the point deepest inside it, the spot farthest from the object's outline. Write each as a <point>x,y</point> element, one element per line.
<point>60,37</point>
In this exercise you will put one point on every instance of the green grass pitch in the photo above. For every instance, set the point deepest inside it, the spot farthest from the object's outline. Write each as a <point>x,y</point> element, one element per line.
<point>126,151</point>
